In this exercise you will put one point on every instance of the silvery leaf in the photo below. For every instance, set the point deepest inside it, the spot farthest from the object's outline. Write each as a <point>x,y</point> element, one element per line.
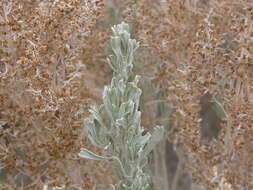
<point>153,141</point>
<point>84,153</point>
<point>115,44</point>
<point>142,140</point>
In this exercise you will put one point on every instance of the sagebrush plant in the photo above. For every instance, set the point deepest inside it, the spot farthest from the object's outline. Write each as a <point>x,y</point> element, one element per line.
<point>115,126</point>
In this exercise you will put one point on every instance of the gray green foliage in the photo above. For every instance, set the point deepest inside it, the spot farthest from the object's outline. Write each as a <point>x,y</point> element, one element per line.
<point>116,125</point>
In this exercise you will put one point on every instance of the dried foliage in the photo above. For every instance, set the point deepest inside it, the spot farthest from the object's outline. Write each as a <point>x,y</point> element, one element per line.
<point>46,51</point>
<point>206,47</point>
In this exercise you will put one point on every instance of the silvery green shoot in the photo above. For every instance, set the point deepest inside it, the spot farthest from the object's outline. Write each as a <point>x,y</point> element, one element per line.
<point>121,133</point>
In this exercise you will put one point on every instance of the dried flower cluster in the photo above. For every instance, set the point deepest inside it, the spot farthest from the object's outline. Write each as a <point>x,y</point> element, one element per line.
<point>206,49</point>
<point>45,56</point>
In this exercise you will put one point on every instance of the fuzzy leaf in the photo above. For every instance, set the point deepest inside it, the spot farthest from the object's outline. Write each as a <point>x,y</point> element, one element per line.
<point>84,153</point>
<point>156,137</point>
